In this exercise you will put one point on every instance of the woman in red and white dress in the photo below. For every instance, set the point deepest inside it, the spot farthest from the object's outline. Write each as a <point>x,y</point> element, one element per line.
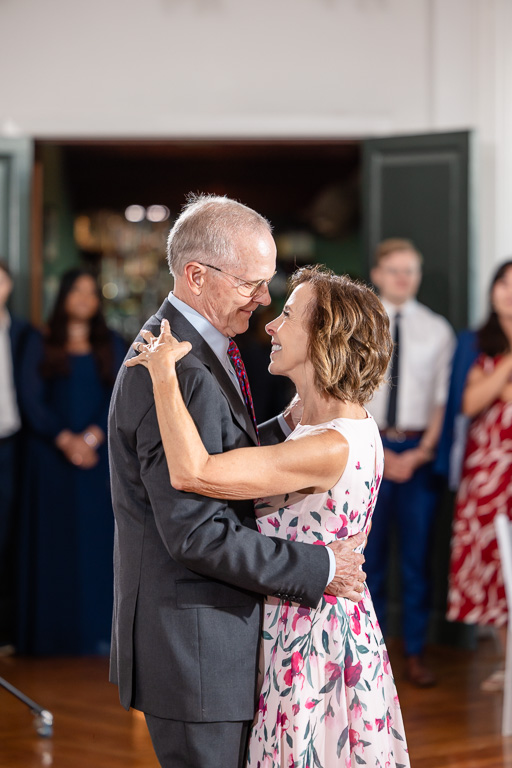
<point>477,593</point>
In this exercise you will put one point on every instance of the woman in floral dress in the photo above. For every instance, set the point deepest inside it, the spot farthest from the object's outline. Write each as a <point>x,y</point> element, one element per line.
<point>327,693</point>
<point>477,593</point>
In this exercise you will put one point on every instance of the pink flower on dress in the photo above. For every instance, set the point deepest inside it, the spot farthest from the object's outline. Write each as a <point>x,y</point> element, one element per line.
<point>351,672</point>
<point>330,599</point>
<point>302,621</point>
<point>291,762</point>
<point>330,504</point>
<point>353,738</point>
<point>262,712</point>
<point>283,618</point>
<point>367,725</point>
<point>357,711</point>
<point>295,669</point>
<point>379,722</point>
<point>353,515</point>
<point>291,532</point>
<point>358,465</point>
<point>274,522</point>
<point>338,525</point>
<point>311,703</point>
<point>305,528</point>
<point>355,622</point>
<point>295,708</point>
<point>385,662</point>
<point>333,670</point>
<point>282,720</point>
<point>331,624</point>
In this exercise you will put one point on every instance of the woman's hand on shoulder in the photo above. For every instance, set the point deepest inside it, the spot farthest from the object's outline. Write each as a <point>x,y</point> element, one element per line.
<point>160,353</point>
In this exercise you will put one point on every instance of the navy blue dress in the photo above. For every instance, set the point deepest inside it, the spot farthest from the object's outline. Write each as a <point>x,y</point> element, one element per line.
<point>65,602</point>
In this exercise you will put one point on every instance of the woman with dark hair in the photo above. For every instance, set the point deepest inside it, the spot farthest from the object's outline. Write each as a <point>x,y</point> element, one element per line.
<point>327,692</point>
<point>67,535</point>
<point>476,590</point>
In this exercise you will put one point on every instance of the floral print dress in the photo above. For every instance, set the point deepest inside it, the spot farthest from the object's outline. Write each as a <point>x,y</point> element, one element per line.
<point>476,592</point>
<point>328,699</point>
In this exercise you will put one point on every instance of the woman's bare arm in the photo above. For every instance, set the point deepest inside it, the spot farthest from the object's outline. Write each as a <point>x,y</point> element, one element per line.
<point>311,464</point>
<point>482,389</point>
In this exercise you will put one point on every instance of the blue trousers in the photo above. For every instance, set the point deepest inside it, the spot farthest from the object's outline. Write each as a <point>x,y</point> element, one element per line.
<point>411,508</point>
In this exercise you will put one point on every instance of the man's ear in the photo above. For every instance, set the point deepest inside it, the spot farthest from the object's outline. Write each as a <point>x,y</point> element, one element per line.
<point>193,274</point>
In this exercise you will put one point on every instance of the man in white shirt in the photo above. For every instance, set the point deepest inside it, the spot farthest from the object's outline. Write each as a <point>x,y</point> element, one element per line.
<point>409,411</point>
<point>13,332</point>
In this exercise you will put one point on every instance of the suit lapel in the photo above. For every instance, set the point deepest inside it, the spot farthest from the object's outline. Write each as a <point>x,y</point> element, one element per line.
<point>184,331</point>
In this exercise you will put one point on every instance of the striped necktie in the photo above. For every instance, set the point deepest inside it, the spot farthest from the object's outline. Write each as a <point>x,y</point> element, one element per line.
<point>241,374</point>
<point>393,376</point>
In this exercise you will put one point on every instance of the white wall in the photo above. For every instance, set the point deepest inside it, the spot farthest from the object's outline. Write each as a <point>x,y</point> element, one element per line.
<point>172,67</point>
<point>281,68</point>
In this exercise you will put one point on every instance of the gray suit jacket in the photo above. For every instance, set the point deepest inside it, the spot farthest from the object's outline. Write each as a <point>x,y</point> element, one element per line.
<point>189,570</point>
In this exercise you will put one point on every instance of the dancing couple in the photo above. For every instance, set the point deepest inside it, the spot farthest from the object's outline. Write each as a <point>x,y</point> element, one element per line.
<point>243,628</point>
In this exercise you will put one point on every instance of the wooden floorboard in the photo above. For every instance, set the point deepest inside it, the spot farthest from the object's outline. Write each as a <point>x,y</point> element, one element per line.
<point>453,725</point>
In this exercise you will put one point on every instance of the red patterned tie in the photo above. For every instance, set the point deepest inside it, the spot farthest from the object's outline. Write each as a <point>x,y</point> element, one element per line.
<point>241,374</point>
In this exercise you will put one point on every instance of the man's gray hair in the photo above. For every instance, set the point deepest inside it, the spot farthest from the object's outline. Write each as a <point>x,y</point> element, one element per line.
<point>208,230</point>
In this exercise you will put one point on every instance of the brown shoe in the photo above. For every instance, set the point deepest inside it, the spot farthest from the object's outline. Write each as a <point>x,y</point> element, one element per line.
<point>418,673</point>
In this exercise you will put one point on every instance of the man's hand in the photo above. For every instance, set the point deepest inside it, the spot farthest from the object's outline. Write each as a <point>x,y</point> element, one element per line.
<point>349,579</point>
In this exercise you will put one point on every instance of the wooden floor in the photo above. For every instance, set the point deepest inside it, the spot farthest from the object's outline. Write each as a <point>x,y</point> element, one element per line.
<point>453,725</point>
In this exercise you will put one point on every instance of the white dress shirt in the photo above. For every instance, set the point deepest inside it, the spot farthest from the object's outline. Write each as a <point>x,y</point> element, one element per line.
<point>219,345</point>
<point>427,343</point>
<point>10,421</point>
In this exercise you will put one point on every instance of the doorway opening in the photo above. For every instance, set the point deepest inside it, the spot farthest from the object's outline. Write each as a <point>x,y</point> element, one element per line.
<point>110,204</point>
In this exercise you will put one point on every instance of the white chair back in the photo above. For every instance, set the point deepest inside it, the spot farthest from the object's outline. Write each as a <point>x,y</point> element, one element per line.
<point>504,534</point>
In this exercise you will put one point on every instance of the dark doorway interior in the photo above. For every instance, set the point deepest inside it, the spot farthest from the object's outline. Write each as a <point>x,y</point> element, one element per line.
<point>309,190</point>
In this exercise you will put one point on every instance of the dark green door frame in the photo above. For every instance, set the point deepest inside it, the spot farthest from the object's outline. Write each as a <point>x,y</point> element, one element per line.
<point>16,160</point>
<point>418,187</point>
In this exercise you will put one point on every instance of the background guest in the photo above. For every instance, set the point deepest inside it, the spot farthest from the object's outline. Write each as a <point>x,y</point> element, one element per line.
<point>68,374</point>
<point>476,593</point>
<point>14,333</point>
<point>410,416</point>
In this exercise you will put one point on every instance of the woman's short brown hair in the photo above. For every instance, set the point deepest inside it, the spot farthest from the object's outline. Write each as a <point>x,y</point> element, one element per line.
<point>349,341</point>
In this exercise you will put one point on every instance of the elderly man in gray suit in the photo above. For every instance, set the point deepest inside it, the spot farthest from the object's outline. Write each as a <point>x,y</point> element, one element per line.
<point>190,571</point>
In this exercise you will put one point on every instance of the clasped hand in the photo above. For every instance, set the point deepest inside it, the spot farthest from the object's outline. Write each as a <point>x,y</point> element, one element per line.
<point>163,350</point>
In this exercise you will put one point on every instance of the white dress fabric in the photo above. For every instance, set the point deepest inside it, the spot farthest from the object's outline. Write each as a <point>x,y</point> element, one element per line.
<point>328,698</point>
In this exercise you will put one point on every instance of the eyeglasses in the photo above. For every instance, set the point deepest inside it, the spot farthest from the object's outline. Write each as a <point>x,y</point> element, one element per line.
<point>247,288</point>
